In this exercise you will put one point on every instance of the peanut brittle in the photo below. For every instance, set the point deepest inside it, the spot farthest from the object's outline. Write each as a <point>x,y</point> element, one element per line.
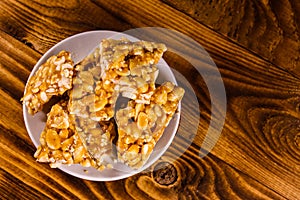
<point>97,139</point>
<point>82,129</point>
<point>53,78</point>
<point>60,144</point>
<point>96,136</point>
<point>123,55</point>
<point>128,69</point>
<point>82,97</point>
<point>140,126</point>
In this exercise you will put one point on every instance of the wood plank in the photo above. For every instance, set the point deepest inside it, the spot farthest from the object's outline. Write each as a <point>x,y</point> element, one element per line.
<point>208,178</point>
<point>10,191</point>
<point>41,24</point>
<point>259,102</point>
<point>269,28</point>
<point>17,60</point>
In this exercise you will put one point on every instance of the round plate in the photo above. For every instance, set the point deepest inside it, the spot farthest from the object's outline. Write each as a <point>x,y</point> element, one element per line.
<point>81,45</point>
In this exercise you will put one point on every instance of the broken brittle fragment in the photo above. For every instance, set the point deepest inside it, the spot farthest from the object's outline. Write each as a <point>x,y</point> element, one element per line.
<point>140,126</point>
<point>86,73</point>
<point>53,78</point>
<point>59,141</point>
<point>128,68</point>
<point>84,100</point>
<point>123,55</point>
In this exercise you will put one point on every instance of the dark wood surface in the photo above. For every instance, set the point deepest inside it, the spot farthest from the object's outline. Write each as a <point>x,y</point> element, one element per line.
<point>256,47</point>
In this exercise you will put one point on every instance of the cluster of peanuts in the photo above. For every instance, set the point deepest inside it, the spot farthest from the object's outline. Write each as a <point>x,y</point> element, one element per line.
<point>84,102</point>
<point>53,78</point>
<point>82,129</point>
<point>127,69</point>
<point>59,141</point>
<point>140,126</point>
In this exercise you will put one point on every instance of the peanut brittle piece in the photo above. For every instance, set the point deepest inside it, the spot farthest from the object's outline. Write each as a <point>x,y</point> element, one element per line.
<point>128,69</point>
<point>123,55</point>
<point>60,143</point>
<point>53,78</point>
<point>82,96</point>
<point>83,102</point>
<point>140,126</point>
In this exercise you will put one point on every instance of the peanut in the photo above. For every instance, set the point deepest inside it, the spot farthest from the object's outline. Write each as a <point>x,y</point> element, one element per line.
<point>50,75</point>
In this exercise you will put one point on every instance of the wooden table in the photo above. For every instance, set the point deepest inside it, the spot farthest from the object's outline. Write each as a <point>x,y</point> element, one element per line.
<point>256,47</point>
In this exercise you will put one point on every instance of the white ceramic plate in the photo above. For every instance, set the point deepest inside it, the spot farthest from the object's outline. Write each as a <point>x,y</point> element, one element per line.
<point>81,45</point>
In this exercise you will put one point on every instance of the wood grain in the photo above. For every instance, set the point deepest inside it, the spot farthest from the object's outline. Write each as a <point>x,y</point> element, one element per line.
<point>54,183</point>
<point>248,67</point>
<point>196,178</point>
<point>269,28</point>
<point>48,22</point>
<point>261,132</point>
<point>255,45</point>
